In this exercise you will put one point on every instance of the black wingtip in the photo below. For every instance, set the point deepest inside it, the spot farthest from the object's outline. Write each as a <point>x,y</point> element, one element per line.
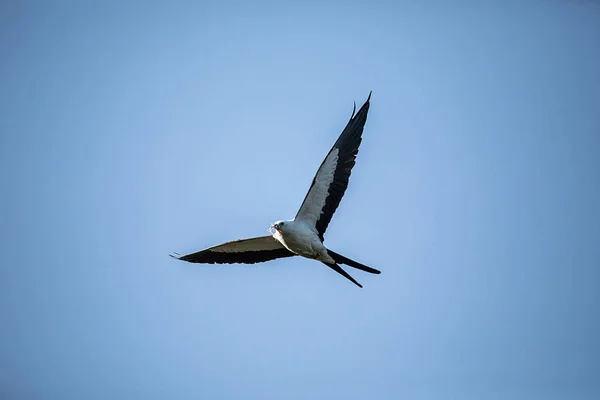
<point>366,102</point>
<point>175,255</point>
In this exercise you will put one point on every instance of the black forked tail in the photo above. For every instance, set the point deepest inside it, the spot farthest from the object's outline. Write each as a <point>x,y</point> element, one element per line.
<point>351,263</point>
<point>340,271</point>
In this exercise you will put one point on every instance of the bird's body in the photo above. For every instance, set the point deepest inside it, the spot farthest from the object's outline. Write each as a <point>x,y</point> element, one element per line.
<point>300,239</point>
<point>304,235</point>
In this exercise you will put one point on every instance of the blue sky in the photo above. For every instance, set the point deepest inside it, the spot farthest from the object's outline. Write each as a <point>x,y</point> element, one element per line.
<point>129,131</point>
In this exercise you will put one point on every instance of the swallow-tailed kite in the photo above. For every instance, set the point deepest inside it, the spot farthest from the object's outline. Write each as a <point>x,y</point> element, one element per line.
<point>303,235</point>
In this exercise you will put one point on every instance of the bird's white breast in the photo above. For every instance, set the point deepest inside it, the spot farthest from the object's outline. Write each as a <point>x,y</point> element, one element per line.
<point>299,238</point>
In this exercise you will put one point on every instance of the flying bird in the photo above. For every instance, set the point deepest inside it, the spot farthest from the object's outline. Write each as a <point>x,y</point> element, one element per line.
<point>303,235</point>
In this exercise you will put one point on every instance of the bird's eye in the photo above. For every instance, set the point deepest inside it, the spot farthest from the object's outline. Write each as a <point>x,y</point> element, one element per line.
<point>283,223</point>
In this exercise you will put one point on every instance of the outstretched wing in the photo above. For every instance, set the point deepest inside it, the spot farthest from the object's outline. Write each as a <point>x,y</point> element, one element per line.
<point>331,180</point>
<point>243,251</point>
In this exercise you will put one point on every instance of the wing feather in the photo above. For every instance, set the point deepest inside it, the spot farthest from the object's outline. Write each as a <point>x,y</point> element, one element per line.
<point>332,177</point>
<point>243,251</point>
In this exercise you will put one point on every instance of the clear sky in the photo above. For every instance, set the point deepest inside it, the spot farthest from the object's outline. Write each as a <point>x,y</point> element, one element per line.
<point>132,130</point>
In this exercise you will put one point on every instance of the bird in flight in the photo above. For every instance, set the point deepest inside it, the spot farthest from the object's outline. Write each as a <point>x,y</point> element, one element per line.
<point>303,235</point>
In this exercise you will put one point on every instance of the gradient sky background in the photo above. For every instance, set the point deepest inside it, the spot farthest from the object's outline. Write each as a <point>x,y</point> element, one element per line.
<point>129,131</point>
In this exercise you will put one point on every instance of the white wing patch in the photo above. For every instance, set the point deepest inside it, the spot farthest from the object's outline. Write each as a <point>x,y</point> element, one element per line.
<point>315,200</point>
<point>255,244</point>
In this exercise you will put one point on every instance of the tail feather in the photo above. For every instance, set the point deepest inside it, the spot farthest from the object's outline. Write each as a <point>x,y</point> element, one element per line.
<point>340,271</point>
<point>351,263</point>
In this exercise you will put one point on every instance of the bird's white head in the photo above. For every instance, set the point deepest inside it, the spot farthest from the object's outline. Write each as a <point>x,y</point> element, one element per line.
<point>278,226</point>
